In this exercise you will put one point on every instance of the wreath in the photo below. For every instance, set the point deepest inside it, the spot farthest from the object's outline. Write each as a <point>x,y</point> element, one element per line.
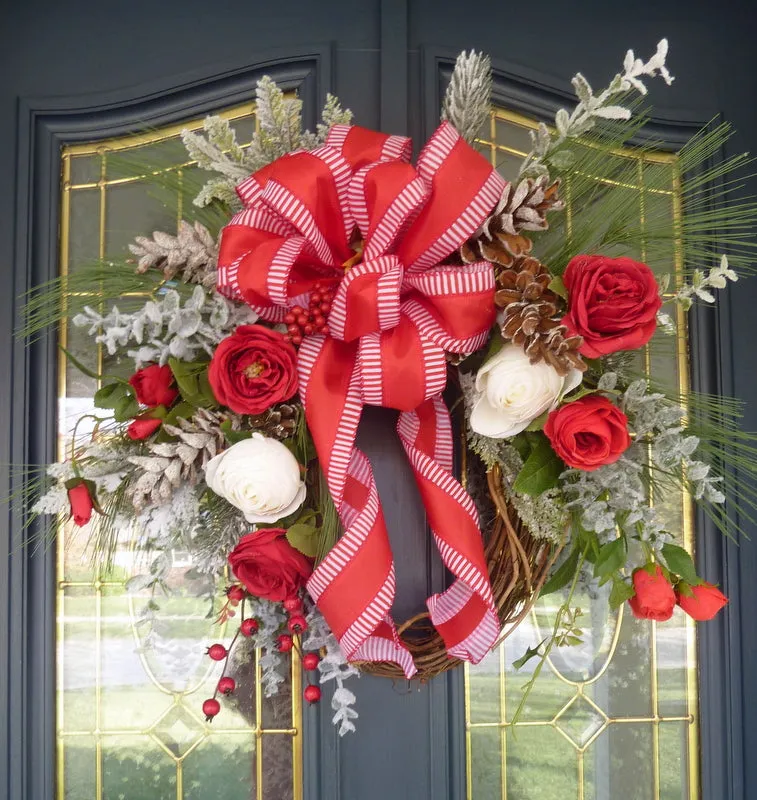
<point>343,275</point>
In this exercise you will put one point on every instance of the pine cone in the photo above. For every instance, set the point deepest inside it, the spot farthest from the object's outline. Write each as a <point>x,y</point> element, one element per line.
<point>278,422</point>
<point>171,464</point>
<point>532,316</point>
<point>523,208</point>
<point>193,252</point>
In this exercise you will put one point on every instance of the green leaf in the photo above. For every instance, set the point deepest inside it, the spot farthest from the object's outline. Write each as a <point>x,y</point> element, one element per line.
<point>571,641</point>
<point>532,652</point>
<point>612,556</point>
<point>182,410</point>
<point>621,591</point>
<point>111,395</point>
<point>541,471</point>
<point>303,537</point>
<point>192,380</point>
<point>232,436</point>
<point>680,563</point>
<point>539,422</point>
<point>557,286</point>
<point>126,409</point>
<point>562,575</point>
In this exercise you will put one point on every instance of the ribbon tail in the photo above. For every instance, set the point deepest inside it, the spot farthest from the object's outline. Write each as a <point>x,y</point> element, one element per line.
<point>464,615</point>
<point>354,586</point>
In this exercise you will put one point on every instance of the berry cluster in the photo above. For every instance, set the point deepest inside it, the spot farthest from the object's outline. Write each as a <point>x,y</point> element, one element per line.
<point>285,643</point>
<point>301,322</point>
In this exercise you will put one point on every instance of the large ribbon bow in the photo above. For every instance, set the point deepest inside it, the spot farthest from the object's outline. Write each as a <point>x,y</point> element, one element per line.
<point>395,312</point>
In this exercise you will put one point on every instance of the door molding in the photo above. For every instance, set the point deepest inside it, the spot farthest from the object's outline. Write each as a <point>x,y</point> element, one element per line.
<point>27,608</point>
<point>720,643</point>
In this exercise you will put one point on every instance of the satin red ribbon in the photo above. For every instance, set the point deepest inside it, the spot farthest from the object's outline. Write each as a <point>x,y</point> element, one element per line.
<point>393,317</point>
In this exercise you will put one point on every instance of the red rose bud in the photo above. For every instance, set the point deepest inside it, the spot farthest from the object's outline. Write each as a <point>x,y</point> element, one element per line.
<point>310,661</point>
<point>297,624</point>
<point>588,433</point>
<point>227,685</point>
<point>249,626</point>
<point>285,643</point>
<point>142,427</point>
<point>312,693</point>
<point>152,385</point>
<point>655,598</point>
<point>81,503</point>
<point>217,652</point>
<point>704,602</point>
<point>210,708</point>
<point>612,303</point>
<point>268,566</point>
<point>252,369</point>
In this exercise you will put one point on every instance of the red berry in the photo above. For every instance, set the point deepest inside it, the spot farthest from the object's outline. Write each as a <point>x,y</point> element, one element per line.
<point>325,330</point>
<point>316,297</point>
<point>293,329</point>
<point>226,685</point>
<point>311,661</point>
<point>318,286</point>
<point>292,604</point>
<point>235,594</point>
<point>217,652</point>
<point>297,623</point>
<point>312,693</point>
<point>289,318</point>
<point>210,708</point>
<point>249,626</point>
<point>297,339</point>
<point>302,320</point>
<point>285,643</point>
<point>325,307</point>
<point>297,310</point>
<point>308,329</point>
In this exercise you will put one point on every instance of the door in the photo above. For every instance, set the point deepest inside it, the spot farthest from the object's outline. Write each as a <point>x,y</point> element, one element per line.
<point>88,71</point>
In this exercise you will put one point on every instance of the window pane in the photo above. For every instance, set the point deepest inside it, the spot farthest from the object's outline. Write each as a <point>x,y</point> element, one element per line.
<point>617,715</point>
<point>130,688</point>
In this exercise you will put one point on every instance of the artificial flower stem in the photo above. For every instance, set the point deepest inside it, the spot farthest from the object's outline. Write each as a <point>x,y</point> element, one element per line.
<point>564,608</point>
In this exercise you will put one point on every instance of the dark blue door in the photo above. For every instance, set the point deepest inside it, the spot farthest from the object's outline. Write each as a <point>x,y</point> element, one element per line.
<point>82,71</point>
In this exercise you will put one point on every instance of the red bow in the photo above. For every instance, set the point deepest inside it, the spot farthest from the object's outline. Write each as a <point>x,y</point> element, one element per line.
<point>392,318</point>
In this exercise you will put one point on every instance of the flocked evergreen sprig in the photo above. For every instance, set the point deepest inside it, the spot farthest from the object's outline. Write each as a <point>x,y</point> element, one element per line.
<point>467,100</point>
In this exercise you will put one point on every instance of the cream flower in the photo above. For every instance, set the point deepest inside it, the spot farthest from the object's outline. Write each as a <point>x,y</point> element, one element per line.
<point>260,477</point>
<point>513,392</point>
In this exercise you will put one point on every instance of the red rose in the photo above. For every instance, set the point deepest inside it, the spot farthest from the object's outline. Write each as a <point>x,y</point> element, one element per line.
<point>152,385</point>
<point>252,369</point>
<point>81,503</point>
<point>655,598</point>
<point>588,433</point>
<point>268,566</point>
<point>142,427</point>
<point>612,303</point>
<point>705,602</point>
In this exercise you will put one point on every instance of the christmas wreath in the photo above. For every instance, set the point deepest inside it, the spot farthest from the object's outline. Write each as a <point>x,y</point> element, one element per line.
<point>346,275</point>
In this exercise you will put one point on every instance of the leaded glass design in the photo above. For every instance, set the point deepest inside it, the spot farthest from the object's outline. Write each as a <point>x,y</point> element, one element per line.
<point>130,690</point>
<point>615,717</point>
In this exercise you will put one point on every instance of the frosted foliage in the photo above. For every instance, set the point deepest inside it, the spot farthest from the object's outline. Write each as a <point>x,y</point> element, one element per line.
<point>270,616</point>
<point>333,667</point>
<point>467,100</point>
<point>279,132</point>
<point>165,328</point>
<point>616,494</point>
<point>592,107</point>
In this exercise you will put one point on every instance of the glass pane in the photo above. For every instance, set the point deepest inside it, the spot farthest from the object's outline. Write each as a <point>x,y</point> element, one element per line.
<point>617,715</point>
<point>130,688</point>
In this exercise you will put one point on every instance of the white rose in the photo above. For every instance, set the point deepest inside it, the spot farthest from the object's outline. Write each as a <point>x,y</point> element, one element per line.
<point>260,477</point>
<point>514,392</point>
